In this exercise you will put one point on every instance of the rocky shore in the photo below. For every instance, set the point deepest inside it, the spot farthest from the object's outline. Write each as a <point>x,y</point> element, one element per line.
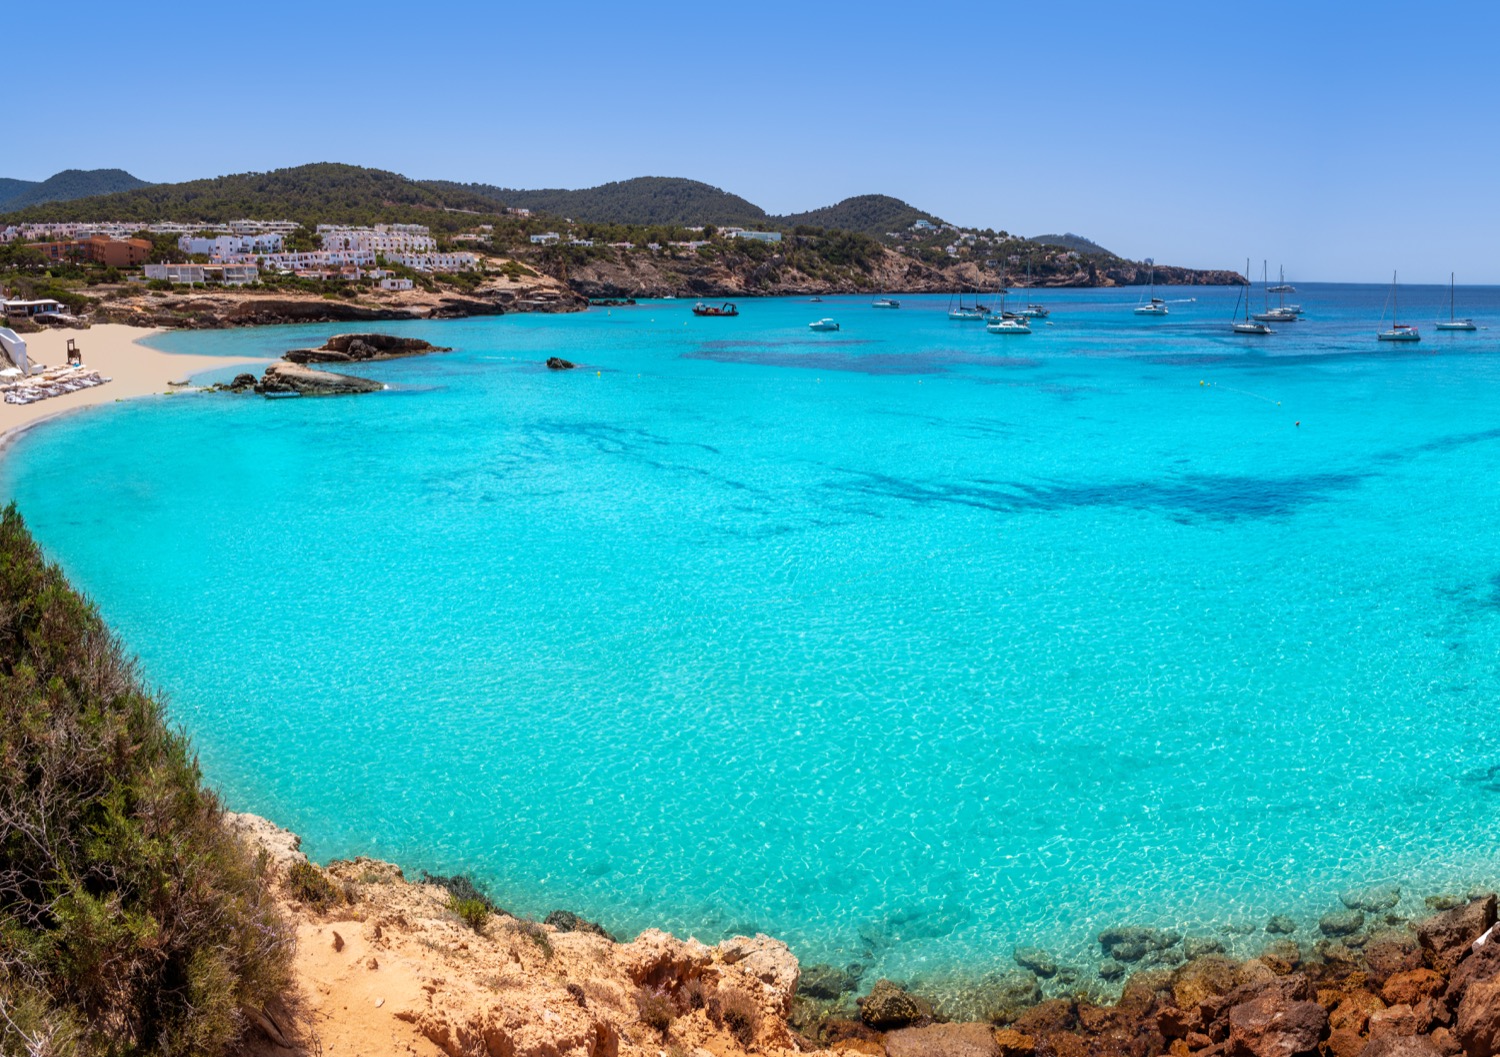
<point>385,965</point>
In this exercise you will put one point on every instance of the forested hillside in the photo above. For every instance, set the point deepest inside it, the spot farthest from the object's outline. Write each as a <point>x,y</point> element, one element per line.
<point>644,200</point>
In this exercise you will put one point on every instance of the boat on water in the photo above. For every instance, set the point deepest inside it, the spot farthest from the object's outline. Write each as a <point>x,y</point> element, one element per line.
<point>1002,320</point>
<point>965,312</point>
<point>726,309</point>
<point>1034,311</point>
<point>1282,313</point>
<point>1452,322</point>
<point>1247,325</point>
<point>885,302</point>
<point>816,300</point>
<point>1399,331</point>
<point>1156,306</point>
<point>824,324</point>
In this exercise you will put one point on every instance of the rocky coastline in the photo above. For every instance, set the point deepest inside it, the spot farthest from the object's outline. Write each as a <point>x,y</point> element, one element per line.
<point>416,965</point>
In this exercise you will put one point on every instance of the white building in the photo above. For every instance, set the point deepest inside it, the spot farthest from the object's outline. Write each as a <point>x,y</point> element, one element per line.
<point>223,274</point>
<point>546,238</point>
<point>436,262</point>
<point>382,238</point>
<point>392,283</point>
<point>230,247</point>
<point>317,259</point>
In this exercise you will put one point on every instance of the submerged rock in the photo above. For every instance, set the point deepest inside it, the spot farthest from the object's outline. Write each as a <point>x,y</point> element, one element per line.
<point>1109,969</point>
<point>1201,946</point>
<point>1341,922</point>
<point>1373,900</point>
<point>1130,943</point>
<point>888,1006</point>
<point>1281,925</point>
<point>1000,998</point>
<point>1037,960</point>
<point>1281,956</point>
<point>557,363</point>
<point>567,921</point>
<point>826,982</point>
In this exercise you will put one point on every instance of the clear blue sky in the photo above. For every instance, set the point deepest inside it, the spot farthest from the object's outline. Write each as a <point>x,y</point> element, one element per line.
<point>1344,140</point>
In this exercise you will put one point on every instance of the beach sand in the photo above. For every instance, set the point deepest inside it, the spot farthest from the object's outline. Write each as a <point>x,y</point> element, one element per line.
<point>114,350</point>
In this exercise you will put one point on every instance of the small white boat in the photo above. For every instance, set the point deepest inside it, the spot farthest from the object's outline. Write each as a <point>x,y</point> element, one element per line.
<point>1007,326</point>
<point>966,313</point>
<point>1282,288</point>
<point>823,324</point>
<point>1452,322</point>
<point>1038,311</point>
<point>1277,315</point>
<point>885,302</point>
<point>1398,331</point>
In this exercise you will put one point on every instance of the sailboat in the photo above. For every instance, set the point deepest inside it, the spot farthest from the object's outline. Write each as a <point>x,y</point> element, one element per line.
<point>1156,306</point>
<point>1034,311</point>
<point>1455,324</point>
<point>963,311</point>
<point>1282,313</point>
<point>1398,331</point>
<point>1248,326</point>
<point>1003,322</point>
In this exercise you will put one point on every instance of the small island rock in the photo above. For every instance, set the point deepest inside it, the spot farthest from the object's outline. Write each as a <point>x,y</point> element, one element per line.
<point>557,363</point>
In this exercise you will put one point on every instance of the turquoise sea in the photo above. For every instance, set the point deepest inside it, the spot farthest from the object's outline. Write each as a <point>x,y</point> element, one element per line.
<point>907,644</point>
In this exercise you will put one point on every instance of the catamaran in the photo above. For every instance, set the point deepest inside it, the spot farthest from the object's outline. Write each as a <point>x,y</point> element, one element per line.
<point>1156,306</point>
<point>1398,331</point>
<point>1246,325</point>
<point>1452,323</point>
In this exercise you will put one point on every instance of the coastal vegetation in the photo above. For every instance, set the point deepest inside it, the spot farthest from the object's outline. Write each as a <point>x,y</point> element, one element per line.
<point>644,201</point>
<point>131,919</point>
<point>64,186</point>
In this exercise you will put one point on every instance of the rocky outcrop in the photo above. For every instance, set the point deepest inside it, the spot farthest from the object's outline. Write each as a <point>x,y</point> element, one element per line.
<point>307,381</point>
<point>358,348</point>
<point>889,1006</point>
<point>1446,937</point>
<point>557,363</point>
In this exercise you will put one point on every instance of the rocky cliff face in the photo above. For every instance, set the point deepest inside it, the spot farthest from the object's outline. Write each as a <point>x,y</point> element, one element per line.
<point>689,275</point>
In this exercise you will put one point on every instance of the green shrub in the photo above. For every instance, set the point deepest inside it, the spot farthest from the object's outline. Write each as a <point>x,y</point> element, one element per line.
<point>308,884</point>
<point>131,919</point>
<point>474,913</point>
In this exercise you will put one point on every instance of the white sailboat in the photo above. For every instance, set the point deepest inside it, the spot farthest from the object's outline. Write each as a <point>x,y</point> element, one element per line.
<point>1247,325</point>
<point>1398,331</point>
<point>1033,310</point>
<point>1283,312</point>
<point>965,312</point>
<point>1156,306</point>
<point>1452,323</point>
<point>1003,322</point>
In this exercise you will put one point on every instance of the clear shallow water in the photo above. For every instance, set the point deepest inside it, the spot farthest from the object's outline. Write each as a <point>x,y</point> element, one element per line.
<point>907,644</point>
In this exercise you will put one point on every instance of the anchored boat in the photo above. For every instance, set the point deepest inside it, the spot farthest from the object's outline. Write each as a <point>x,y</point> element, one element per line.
<point>1398,331</point>
<point>1453,323</point>
<point>726,309</point>
<point>823,324</point>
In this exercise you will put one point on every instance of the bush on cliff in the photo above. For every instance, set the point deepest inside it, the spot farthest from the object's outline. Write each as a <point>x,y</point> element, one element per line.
<point>131,920</point>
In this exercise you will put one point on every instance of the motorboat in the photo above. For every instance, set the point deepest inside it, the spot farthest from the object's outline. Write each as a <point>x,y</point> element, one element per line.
<point>1007,326</point>
<point>1038,311</point>
<point>824,325</point>
<point>885,302</point>
<point>726,309</point>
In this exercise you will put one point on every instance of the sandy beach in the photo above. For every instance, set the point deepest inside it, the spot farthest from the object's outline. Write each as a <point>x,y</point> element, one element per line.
<point>114,350</point>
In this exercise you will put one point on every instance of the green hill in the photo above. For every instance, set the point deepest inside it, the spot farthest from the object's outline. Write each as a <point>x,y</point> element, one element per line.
<point>65,186</point>
<point>1077,243</point>
<point>318,193</point>
<point>867,214</point>
<point>645,200</point>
